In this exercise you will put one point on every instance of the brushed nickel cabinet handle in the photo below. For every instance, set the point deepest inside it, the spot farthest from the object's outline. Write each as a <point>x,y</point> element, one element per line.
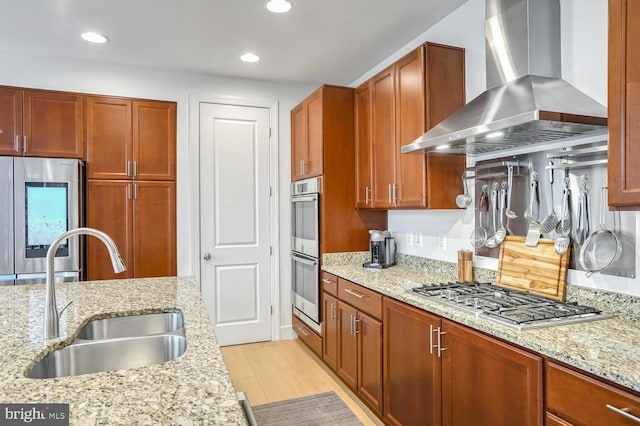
<point>624,412</point>
<point>394,193</point>
<point>16,144</point>
<point>367,195</point>
<point>303,331</point>
<point>324,280</point>
<point>128,168</point>
<point>24,144</point>
<point>355,326</point>
<point>135,168</point>
<point>353,293</point>
<point>431,339</point>
<point>440,348</point>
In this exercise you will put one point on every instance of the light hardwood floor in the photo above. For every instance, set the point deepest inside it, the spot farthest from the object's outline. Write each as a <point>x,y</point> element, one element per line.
<point>275,371</point>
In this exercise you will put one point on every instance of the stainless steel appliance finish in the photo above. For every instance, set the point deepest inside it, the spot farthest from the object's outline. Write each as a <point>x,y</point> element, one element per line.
<point>43,199</point>
<point>305,215</point>
<point>527,102</point>
<point>7,272</point>
<point>305,274</point>
<point>513,308</point>
<point>305,251</point>
<point>382,248</point>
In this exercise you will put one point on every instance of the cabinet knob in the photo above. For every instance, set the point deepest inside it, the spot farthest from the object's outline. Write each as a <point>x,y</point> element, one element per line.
<point>207,256</point>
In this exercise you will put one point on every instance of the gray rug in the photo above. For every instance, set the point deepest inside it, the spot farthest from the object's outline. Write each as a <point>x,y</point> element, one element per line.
<point>315,410</point>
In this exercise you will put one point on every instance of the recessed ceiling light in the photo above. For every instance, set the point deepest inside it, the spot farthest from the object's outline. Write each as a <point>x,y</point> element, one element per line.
<point>94,37</point>
<point>250,57</point>
<point>278,6</point>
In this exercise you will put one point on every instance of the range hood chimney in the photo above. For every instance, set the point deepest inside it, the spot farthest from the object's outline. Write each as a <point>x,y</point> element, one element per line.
<point>527,102</point>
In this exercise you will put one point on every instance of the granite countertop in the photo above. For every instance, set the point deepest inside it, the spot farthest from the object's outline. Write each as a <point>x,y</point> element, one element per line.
<point>608,348</point>
<point>192,389</point>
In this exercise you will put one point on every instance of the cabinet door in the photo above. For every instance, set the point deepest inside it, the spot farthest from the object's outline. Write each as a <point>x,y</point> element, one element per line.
<point>410,124</point>
<point>54,124</point>
<point>624,103</point>
<point>109,209</point>
<point>298,142</point>
<point>383,131</point>
<point>487,382</point>
<point>10,121</point>
<point>313,165</point>
<point>154,225</point>
<point>154,140</point>
<point>369,331</point>
<point>109,143</point>
<point>412,374</point>
<point>364,165</point>
<point>330,330</point>
<point>347,345</point>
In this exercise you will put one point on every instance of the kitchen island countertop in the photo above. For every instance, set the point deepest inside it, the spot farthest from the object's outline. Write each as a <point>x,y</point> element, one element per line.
<point>608,348</point>
<point>192,389</point>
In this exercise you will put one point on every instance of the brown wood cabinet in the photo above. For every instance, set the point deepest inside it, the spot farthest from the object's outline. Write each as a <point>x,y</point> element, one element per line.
<point>131,191</point>
<point>41,123</point>
<point>624,103</point>
<point>406,99</point>
<point>486,381</point>
<point>131,139</point>
<point>140,216</point>
<point>472,379</point>
<point>307,336</point>
<point>330,330</point>
<point>577,399</point>
<point>307,132</point>
<point>412,374</point>
<point>328,114</point>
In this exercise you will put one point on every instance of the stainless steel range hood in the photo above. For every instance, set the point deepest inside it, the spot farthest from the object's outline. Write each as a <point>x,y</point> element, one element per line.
<point>527,102</point>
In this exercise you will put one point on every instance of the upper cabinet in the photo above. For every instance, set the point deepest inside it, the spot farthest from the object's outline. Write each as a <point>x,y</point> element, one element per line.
<point>41,123</point>
<point>394,108</point>
<point>130,139</point>
<point>624,103</point>
<point>307,132</point>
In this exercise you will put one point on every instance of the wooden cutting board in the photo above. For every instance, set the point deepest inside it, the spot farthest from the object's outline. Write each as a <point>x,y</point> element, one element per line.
<point>539,270</point>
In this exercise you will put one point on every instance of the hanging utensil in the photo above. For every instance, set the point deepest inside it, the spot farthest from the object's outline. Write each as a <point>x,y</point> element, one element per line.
<point>533,234</point>
<point>464,200</point>
<point>510,214</point>
<point>491,241</point>
<point>563,241</point>
<point>582,227</point>
<point>502,231</point>
<point>550,222</point>
<point>603,247</point>
<point>479,234</point>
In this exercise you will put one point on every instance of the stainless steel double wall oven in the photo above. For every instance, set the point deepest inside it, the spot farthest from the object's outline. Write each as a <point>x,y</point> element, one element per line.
<point>39,199</point>
<point>305,250</point>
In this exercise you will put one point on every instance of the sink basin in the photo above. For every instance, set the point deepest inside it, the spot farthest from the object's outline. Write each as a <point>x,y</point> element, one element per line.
<point>107,355</point>
<point>132,326</point>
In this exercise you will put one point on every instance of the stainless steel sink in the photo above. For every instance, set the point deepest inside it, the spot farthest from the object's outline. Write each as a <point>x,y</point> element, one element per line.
<point>107,355</point>
<point>133,325</point>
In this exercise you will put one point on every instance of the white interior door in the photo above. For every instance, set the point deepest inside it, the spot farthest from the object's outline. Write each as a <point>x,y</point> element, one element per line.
<point>235,221</point>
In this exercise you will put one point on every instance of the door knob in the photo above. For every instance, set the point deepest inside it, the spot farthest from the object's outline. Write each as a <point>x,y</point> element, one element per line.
<point>207,256</point>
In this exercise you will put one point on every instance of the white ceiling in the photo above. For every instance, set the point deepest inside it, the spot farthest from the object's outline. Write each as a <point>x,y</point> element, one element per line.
<point>318,41</point>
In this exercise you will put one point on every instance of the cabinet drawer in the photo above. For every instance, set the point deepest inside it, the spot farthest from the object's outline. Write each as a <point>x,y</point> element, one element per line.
<point>361,298</point>
<point>311,339</point>
<point>585,401</point>
<point>329,283</point>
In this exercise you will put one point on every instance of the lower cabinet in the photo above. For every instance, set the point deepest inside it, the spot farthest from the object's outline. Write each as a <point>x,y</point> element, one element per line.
<point>412,377</point>
<point>307,336</point>
<point>486,381</point>
<point>438,372</point>
<point>330,330</point>
<point>140,216</point>
<point>576,399</point>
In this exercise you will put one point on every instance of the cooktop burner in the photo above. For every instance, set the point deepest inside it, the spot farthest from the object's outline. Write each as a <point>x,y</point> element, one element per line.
<point>514,308</point>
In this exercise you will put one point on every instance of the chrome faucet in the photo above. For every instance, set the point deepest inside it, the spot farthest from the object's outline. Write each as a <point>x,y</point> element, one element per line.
<point>51,314</point>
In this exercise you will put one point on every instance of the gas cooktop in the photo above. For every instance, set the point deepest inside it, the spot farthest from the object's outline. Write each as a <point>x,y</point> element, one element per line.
<point>514,308</point>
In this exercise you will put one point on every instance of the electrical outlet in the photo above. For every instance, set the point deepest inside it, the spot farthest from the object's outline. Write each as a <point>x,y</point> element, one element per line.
<point>409,239</point>
<point>442,242</point>
<point>419,239</point>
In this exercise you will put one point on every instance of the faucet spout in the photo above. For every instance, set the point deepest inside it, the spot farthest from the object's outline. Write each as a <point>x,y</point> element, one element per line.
<point>51,314</point>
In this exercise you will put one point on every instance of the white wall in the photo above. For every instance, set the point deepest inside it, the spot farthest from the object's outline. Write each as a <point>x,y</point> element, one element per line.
<point>584,65</point>
<point>99,78</point>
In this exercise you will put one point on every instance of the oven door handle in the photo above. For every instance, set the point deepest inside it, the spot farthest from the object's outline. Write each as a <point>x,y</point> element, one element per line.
<point>312,262</point>
<point>304,198</point>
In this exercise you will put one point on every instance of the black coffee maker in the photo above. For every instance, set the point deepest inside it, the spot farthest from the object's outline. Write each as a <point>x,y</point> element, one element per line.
<point>382,248</point>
